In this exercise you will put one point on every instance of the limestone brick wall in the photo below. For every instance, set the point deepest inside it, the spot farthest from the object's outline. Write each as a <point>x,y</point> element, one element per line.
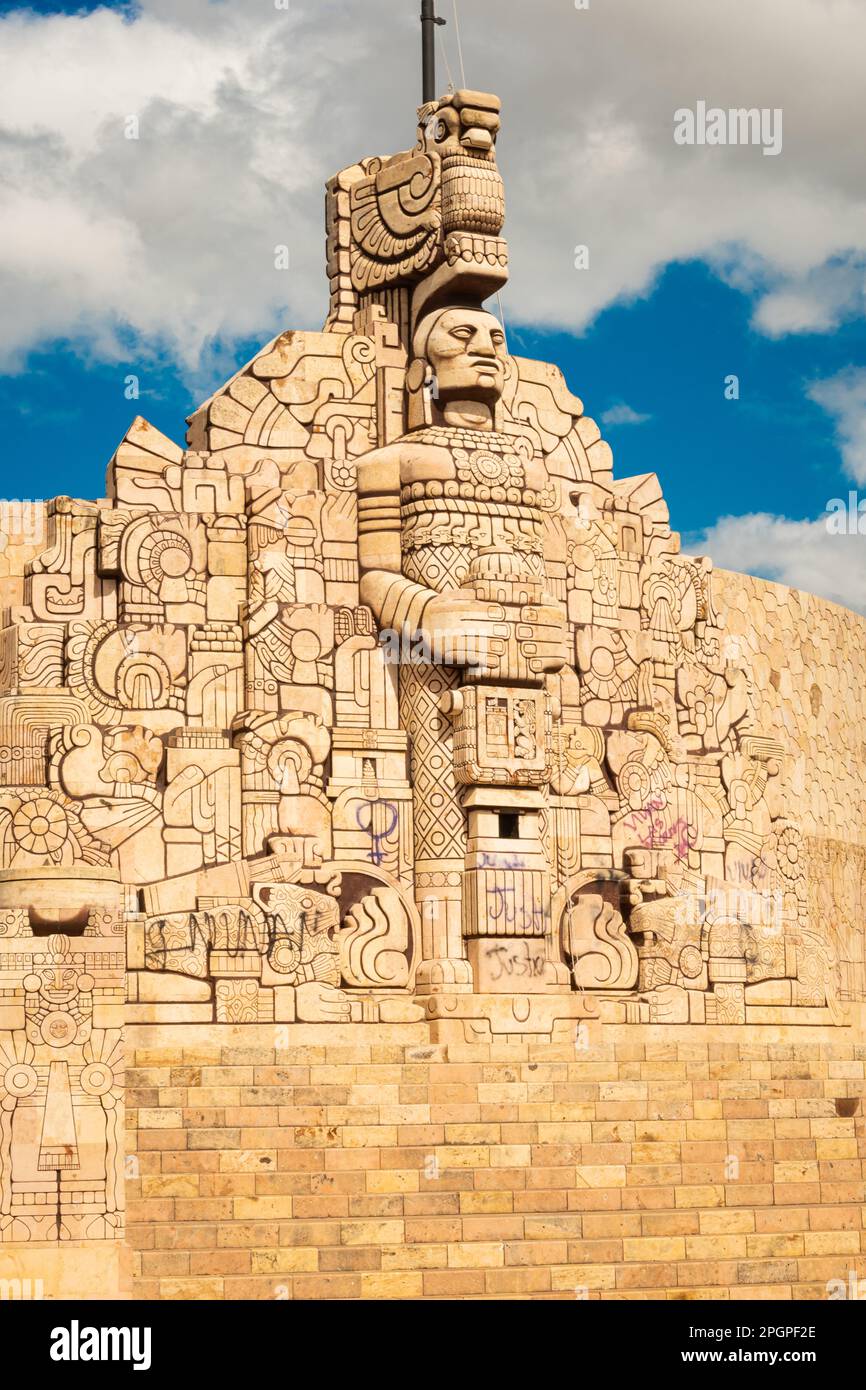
<point>370,1162</point>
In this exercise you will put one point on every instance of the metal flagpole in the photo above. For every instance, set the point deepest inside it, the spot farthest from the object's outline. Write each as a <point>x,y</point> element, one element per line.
<point>429,19</point>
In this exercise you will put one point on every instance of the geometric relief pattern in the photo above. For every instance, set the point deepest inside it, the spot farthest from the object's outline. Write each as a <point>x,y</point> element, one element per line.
<point>383,699</point>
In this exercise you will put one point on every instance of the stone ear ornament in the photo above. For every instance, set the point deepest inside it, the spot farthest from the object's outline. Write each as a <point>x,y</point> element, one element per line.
<point>419,411</point>
<point>416,375</point>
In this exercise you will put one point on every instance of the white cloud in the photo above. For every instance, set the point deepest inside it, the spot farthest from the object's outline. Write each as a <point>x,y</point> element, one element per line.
<point>802,554</point>
<point>171,235</point>
<point>826,556</point>
<point>245,110</point>
<point>816,302</point>
<point>623,414</point>
<point>844,398</point>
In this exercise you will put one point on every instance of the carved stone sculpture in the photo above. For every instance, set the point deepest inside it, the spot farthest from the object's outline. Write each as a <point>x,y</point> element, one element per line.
<point>382,699</point>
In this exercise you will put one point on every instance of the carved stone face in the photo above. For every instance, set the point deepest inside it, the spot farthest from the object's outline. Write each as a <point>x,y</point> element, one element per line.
<point>465,123</point>
<point>59,984</point>
<point>466,353</point>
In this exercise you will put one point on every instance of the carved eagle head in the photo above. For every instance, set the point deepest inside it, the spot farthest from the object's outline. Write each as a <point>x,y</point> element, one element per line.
<point>463,123</point>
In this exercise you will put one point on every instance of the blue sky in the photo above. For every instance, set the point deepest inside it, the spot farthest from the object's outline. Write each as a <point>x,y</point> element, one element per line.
<point>771,450</point>
<point>154,251</point>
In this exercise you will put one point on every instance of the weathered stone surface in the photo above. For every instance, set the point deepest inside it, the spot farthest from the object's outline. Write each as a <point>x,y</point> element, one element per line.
<point>379,777</point>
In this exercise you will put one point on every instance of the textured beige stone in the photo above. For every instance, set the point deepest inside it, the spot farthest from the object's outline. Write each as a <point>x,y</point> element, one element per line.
<point>475,881</point>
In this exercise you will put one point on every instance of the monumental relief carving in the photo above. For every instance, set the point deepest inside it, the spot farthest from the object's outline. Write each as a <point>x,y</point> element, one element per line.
<point>381,699</point>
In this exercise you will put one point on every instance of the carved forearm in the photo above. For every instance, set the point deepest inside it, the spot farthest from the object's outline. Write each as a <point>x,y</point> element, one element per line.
<point>379,511</point>
<point>396,602</point>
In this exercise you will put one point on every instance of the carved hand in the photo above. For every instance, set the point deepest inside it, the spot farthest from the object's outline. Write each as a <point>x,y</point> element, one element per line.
<point>318,1003</point>
<point>460,630</point>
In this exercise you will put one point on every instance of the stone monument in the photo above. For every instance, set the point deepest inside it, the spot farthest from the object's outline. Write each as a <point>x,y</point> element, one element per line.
<point>382,701</point>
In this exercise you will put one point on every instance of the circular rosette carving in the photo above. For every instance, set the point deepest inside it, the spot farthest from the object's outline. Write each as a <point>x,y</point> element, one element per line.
<point>164,555</point>
<point>636,784</point>
<point>102,1075</point>
<point>43,828</point>
<point>58,1028</point>
<point>285,955</point>
<point>97,1079</point>
<point>486,468</point>
<point>789,858</point>
<point>691,962</point>
<point>783,853</point>
<point>489,468</point>
<point>20,1080</point>
<point>40,827</point>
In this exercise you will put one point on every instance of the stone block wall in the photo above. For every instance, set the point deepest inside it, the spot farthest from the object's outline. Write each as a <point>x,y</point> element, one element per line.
<point>628,1162</point>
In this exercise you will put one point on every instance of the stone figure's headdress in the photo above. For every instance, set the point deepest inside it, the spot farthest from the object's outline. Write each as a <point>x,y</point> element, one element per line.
<point>420,231</point>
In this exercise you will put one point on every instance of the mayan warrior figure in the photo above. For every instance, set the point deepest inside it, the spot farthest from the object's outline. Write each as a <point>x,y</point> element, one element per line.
<point>451,551</point>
